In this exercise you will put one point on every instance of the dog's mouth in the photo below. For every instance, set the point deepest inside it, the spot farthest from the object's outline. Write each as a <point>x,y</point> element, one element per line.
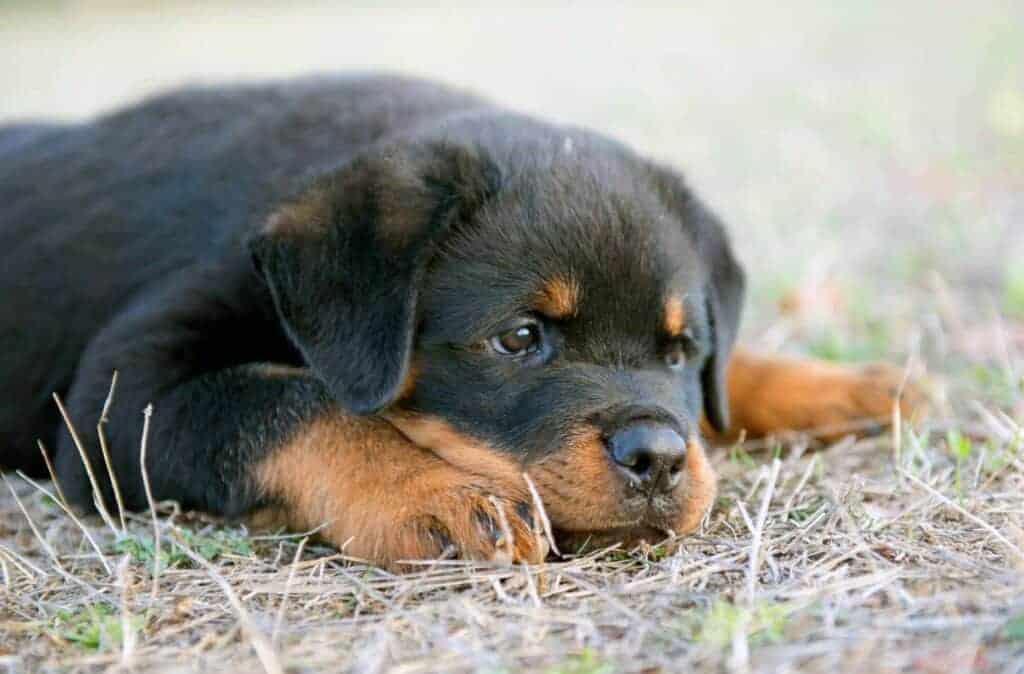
<point>582,542</point>
<point>639,520</point>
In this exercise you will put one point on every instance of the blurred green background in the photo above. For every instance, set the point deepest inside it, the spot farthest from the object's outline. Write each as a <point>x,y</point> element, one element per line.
<point>875,147</point>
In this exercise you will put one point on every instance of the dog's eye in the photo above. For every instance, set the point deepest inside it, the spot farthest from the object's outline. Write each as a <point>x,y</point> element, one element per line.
<point>681,350</point>
<point>675,356</point>
<point>517,341</point>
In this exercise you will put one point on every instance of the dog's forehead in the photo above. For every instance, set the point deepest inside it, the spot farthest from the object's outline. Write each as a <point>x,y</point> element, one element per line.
<point>568,247</point>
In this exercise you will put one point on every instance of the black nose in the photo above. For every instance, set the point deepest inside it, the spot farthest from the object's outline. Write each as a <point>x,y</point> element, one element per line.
<point>651,454</point>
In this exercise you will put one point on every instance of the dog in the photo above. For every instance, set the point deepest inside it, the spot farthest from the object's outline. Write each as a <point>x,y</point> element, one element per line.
<point>384,308</point>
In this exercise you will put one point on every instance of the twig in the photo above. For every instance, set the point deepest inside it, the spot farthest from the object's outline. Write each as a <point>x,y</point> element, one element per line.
<point>506,533</point>
<point>287,588</point>
<point>51,471</point>
<point>106,452</point>
<point>800,485</point>
<point>745,516</point>
<point>71,514</point>
<point>127,633</point>
<point>97,495</point>
<point>31,523</point>
<point>146,415</point>
<point>739,655</point>
<point>531,587</point>
<point>758,534</point>
<point>542,513</point>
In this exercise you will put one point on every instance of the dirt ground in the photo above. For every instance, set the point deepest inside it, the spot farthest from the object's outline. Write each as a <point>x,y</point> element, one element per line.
<point>869,158</point>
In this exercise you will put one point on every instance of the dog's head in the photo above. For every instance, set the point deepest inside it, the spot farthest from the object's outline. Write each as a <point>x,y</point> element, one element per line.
<point>514,294</point>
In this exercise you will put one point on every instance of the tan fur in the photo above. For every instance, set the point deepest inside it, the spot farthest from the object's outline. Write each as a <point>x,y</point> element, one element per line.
<point>772,393</point>
<point>299,218</point>
<point>581,489</point>
<point>675,317</point>
<point>384,499</point>
<point>584,492</point>
<point>697,492</point>
<point>409,383</point>
<point>470,454</point>
<point>558,298</point>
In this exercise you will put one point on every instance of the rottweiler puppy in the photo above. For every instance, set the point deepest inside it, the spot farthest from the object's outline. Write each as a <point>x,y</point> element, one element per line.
<point>371,305</point>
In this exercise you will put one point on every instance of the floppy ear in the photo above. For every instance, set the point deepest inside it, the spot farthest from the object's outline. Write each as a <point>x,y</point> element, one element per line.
<point>724,289</point>
<point>345,260</point>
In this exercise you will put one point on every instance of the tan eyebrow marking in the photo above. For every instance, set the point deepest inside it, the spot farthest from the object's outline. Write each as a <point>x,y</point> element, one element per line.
<point>675,317</point>
<point>306,216</point>
<point>558,298</point>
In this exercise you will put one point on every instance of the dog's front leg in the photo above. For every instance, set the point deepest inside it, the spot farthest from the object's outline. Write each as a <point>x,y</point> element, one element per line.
<point>232,434</point>
<point>373,493</point>
<point>267,440</point>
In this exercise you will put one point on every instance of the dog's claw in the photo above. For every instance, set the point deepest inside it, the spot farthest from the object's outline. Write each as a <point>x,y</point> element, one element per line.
<point>480,526</point>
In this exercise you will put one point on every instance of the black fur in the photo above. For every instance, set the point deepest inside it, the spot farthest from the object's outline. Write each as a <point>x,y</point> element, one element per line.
<point>391,221</point>
<point>354,279</point>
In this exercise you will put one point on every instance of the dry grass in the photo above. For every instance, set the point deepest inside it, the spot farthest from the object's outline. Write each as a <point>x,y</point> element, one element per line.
<point>870,160</point>
<point>847,559</point>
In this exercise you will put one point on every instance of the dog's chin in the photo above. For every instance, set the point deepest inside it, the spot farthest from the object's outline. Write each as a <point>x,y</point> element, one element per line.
<point>577,542</point>
<point>641,521</point>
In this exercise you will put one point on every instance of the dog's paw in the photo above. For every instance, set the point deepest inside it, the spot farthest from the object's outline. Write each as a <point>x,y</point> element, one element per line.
<point>477,524</point>
<point>471,521</point>
<point>860,400</point>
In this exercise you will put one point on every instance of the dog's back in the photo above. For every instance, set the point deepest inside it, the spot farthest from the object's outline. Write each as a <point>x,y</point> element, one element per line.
<point>91,214</point>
